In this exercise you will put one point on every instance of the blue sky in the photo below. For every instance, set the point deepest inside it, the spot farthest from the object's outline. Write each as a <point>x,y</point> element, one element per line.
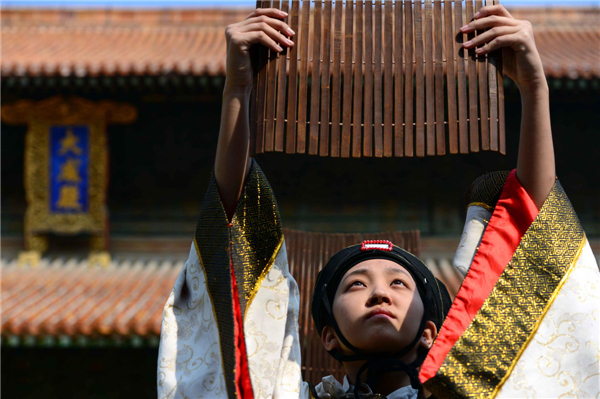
<point>235,3</point>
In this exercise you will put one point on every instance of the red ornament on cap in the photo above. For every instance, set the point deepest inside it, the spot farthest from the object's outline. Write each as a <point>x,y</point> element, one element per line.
<point>382,245</point>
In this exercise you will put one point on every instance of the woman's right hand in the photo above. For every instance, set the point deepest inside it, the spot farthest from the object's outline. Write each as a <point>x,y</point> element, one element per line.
<point>262,26</point>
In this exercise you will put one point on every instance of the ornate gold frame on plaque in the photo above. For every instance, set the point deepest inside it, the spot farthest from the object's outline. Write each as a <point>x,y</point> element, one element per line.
<point>40,117</point>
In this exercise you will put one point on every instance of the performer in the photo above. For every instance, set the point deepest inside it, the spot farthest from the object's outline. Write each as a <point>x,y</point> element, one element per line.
<point>525,321</point>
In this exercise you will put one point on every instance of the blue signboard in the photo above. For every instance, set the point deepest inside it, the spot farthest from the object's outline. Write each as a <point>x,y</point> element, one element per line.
<point>69,165</point>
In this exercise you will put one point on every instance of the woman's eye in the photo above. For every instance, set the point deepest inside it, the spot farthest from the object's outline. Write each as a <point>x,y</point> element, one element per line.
<point>357,284</point>
<point>396,282</point>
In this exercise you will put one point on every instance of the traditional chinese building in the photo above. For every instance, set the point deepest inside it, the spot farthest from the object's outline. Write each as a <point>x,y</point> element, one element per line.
<point>109,129</point>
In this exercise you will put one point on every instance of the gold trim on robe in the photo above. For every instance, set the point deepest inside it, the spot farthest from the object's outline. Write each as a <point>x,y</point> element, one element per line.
<point>256,235</point>
<point>482,358</point>
<point>250,241</point>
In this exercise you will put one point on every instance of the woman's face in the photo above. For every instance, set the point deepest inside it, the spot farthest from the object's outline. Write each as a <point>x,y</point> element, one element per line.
<point>377,306</point>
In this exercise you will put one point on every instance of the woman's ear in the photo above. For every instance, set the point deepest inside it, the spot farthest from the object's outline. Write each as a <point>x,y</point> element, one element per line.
<point>330,340</point>
<point>429,335</point>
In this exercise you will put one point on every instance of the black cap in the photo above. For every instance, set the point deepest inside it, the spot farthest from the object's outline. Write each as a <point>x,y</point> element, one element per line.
<point>430,288</point>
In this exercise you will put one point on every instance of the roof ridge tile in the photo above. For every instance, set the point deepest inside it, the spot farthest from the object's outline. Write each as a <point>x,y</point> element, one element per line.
<point>191,41</point>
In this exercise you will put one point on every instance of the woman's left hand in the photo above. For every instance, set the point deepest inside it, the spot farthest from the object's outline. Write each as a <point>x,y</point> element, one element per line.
<point>520,58</point>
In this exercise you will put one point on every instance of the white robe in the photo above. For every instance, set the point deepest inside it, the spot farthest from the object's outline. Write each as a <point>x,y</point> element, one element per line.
<point>561,358</point>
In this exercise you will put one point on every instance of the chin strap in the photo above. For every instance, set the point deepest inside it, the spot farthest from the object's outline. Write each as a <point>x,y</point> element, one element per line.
<point>378,363</point>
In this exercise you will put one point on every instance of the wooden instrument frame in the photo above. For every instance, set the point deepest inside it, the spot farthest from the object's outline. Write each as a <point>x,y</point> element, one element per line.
<point>388,107</point>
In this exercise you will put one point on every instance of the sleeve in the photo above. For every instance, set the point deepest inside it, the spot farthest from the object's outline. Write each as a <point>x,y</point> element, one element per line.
<point>481,199</point>
<point>524,322</point>
<point>230,325</point>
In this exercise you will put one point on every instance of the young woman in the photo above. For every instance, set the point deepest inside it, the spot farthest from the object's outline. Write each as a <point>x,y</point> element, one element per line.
<point>230,325</point>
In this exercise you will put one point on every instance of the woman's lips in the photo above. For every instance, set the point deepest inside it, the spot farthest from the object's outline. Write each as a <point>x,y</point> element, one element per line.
<point>380,312</point>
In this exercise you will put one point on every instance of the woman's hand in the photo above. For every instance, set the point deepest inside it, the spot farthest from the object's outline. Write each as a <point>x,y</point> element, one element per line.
<point>262,26</point>
<point>232,163</point>
<point>520,59</point>
<point>521,62</point>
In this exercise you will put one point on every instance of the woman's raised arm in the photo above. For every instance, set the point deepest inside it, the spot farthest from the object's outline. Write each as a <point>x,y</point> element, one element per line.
<point>521,63</point>
<point>232,162</point>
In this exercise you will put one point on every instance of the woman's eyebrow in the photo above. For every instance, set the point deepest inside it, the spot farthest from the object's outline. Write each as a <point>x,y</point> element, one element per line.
<point>393,270</point>
<point>362,271</point>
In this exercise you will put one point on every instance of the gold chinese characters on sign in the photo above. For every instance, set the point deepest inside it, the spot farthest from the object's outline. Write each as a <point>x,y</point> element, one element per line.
<point>69,157</point>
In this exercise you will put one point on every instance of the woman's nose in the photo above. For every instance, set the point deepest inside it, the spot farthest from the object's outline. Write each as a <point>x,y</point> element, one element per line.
<point>379,296</point>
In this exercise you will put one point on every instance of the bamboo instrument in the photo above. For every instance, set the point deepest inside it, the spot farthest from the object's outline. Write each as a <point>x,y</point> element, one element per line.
<point>377,78</point>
